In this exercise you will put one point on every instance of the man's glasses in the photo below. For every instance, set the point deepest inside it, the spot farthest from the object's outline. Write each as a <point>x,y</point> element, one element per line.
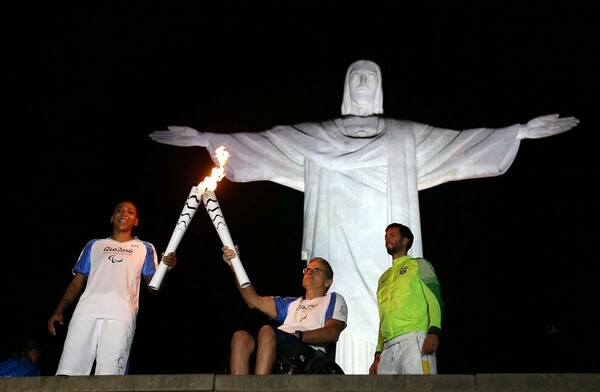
<point>311,271</point>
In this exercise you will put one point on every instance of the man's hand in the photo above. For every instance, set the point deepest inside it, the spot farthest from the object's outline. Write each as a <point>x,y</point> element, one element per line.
<point>229,254</point>
<point>430,344</point>
<point>56,318</point>
<point>169,260</point>
<point>180,136</point>
<point>373,368</point>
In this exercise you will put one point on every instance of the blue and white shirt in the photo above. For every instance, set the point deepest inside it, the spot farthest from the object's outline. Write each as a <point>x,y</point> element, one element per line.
<point>114,271</point>
<point>297,313</point>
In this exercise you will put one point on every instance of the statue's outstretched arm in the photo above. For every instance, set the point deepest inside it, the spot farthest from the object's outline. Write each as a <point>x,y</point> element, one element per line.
<point>546,126</point>
<point>180,136</point>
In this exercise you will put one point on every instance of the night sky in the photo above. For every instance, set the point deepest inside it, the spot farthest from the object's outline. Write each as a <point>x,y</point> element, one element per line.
<point>84,85</point>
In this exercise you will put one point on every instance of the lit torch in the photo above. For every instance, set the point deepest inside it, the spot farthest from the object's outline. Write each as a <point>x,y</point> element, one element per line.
<point>189,209</point>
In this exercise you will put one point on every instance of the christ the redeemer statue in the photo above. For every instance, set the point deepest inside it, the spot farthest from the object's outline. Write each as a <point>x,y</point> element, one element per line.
<point>359,173</point>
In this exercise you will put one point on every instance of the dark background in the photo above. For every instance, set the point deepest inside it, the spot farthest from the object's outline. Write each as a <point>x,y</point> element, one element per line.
<point>83,84</point>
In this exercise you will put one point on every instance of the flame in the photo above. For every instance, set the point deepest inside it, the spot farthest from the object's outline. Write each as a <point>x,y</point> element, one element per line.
<point>217,174</point>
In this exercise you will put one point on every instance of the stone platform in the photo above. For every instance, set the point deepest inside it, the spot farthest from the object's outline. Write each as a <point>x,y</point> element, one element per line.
<point>310,383</point>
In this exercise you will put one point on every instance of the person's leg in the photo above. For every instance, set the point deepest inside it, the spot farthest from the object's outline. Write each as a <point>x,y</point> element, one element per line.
<point>242,347</point>
<point>114,347</point>
<point>415,362</point>
<point>404,356</point>
<point>79,350</point>
<point>265,353</point>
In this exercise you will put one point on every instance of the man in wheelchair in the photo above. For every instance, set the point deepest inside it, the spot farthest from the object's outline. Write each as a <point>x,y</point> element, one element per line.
<point>308,326</point>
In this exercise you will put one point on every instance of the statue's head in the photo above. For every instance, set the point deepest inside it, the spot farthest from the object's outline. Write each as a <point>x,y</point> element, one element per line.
<point>363,92</point>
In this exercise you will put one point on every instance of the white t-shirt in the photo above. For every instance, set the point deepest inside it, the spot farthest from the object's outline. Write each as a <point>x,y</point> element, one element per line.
<point>114,271</point>
<point>297,313</point>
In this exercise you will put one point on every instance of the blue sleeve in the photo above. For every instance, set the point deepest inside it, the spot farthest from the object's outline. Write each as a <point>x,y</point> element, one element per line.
<point>149,267</point>
<point>282,305</point>
<point>84,263</point>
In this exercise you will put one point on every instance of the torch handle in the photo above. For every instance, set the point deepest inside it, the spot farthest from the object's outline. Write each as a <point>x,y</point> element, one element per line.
<point>158,276</point>
<point>162,269</point>
<point>236,263</point>
<point>216,215</point>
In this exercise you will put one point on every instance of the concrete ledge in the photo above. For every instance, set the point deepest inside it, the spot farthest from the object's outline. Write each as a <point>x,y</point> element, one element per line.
<point>586,382</point>
<point>538,382</point>
<point>324,383</point>
<point>171,382</point>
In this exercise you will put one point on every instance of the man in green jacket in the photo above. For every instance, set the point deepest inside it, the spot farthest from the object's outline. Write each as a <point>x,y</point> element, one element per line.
<point>410,310</point>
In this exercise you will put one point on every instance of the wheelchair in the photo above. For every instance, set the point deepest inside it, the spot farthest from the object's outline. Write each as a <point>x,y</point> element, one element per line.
<point>293,358</point>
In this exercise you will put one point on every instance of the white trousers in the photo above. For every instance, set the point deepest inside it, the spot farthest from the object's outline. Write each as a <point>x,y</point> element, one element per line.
<point>402,355</point>
<point>106,341</point>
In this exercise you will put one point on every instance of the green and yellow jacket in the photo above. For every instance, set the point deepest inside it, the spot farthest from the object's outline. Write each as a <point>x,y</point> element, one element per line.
<point>409,299</point>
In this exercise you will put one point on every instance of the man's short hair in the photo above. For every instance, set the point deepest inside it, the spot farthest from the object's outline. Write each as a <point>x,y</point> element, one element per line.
<point>404,232</point>
<point>328,269</point>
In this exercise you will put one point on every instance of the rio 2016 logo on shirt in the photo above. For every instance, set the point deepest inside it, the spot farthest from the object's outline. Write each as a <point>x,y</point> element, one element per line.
<point>108,249</point>
<point>403,270</point>
<point>301,310</point>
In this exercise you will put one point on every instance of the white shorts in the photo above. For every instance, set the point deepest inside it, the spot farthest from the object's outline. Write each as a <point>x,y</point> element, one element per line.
<point>402,355</point>
<point>105,340</point>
